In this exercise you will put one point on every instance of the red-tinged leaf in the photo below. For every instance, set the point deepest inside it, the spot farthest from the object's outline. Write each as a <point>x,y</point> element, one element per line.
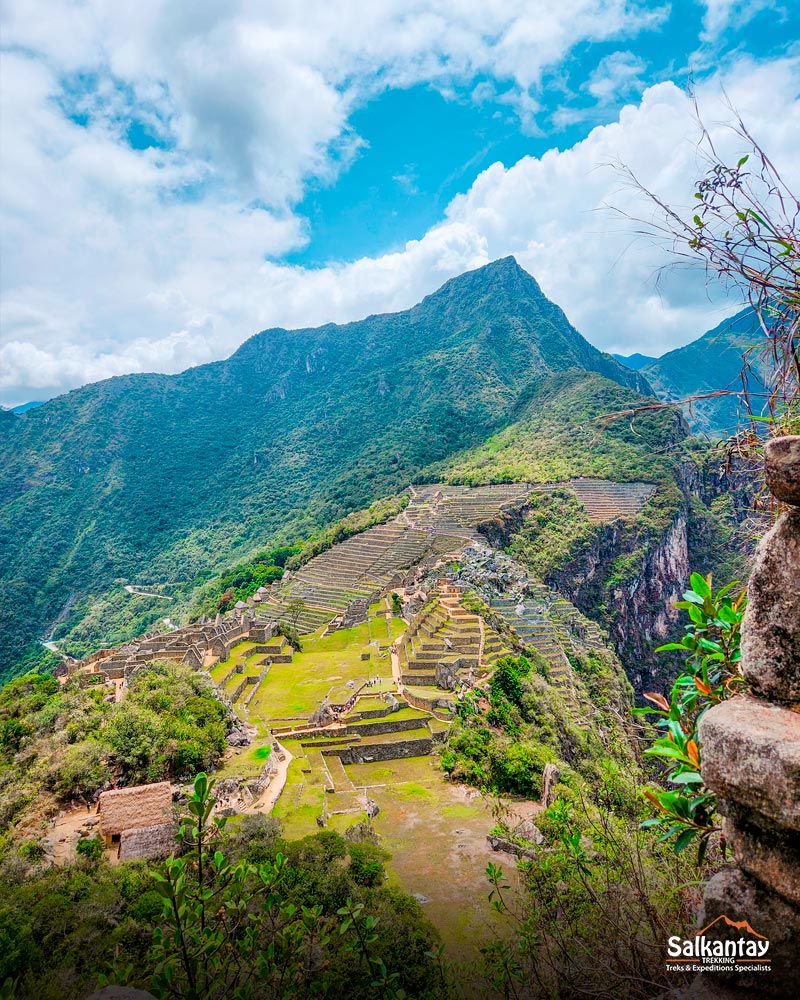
<point>657,699</point>
<point>651,797</point>
<point>694,753</point>
<point>701,687</point>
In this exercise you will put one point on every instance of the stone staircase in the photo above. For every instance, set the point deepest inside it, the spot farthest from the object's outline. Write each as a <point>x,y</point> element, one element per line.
<point>442,647</point>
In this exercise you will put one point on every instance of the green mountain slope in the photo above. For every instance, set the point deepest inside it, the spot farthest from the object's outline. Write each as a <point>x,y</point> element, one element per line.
<point>149,479</point>
<point>712,362</point>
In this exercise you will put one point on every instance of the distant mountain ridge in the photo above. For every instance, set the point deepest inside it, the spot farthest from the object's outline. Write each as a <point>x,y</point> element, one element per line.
<point>172,476</point>
<point>634,361</point>
<point>712,362</point>
<point>24,407</point>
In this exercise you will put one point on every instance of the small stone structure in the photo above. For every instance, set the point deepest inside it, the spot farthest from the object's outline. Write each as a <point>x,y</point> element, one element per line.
<point>550,778</point>
<point>751,759</point>
<point>138,821</point>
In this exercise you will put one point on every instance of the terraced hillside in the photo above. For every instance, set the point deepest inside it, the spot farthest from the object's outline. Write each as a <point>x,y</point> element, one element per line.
<point>439,520</point>
<point>606,501</point>
<point>290,434</point>
<point>458,510</point>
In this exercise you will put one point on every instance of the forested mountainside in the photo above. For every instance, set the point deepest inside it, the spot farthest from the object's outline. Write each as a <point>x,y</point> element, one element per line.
<point>622,562</point>
<point>152,479</point>
<point>710,363</point>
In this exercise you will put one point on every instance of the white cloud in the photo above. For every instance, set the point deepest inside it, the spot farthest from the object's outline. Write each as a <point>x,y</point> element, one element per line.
<point>118,260</point>
<point>721,14</point>
<point>616,76</point>
<point>550,213</point>
<point>261,91</point>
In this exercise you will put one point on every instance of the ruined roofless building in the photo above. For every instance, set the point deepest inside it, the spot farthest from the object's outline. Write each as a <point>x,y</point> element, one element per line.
<point>138,821</point>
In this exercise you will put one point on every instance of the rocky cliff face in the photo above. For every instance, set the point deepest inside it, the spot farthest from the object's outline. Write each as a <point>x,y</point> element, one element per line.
<point>628,579</point>
<point>645,613</point>
<point>638,609</point>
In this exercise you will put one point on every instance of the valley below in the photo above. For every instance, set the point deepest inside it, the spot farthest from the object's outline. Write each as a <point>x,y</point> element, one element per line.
<point>397,626</point>
<point>402,609</point>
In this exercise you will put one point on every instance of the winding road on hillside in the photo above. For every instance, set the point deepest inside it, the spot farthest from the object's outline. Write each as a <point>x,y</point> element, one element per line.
<point>139,592</point>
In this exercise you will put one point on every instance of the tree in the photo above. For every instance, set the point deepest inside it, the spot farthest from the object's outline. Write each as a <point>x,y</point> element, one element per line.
<point>744,230</point>
<point>294,609</point>
<point>231,930</point>
<point>226,600</point>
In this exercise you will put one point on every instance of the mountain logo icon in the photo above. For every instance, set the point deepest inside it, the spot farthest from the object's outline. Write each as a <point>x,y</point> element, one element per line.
<point>739,925</point>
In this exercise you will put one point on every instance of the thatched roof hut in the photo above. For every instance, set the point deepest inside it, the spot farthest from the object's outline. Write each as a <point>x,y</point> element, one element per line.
<point>132,808</point>
<point>147,842</point>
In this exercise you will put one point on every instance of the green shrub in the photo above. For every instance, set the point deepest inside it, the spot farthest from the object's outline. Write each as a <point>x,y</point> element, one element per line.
<point>90,848</point>
<point>366,864</point>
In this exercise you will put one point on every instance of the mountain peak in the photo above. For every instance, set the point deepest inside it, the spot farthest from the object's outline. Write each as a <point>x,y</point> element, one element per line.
<point>504,276</point>
<point>503,265</point>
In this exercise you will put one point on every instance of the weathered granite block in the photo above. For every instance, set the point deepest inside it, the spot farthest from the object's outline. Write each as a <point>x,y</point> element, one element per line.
<point>751,755</point>
<point>782,468</point>
<point>769,853</point>
<point>771,626</point>
<point>739,897</point>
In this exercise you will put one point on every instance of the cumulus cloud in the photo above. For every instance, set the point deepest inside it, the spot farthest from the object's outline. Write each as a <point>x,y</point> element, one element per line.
<point>262,92</point>
<point>616,75</point>
<point>120,259</point>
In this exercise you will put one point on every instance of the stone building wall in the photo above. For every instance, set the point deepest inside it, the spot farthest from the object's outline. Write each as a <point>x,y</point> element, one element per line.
<point>381,751</point>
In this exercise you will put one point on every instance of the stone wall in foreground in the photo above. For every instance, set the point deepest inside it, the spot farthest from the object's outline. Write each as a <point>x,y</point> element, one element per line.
<point>751,759</point>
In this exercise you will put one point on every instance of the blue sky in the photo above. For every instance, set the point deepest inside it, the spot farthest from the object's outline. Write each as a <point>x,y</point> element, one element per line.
<point>421,147</point>
<point>176,176</point>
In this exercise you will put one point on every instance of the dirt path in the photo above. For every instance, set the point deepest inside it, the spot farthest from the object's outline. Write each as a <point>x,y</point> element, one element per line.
<point>67,829</point>
<point>273,790</point>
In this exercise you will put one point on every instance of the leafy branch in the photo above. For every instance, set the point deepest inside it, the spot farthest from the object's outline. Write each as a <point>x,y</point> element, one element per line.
<point>713,673</point>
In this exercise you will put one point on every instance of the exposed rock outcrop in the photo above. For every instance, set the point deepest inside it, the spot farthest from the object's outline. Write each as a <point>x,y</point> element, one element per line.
<point>782,468</point>
<point>771,629</point>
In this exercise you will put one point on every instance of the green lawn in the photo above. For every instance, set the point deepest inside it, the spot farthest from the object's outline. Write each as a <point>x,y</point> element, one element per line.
<point>248,763</point>
<point>370,704</point>
<point>422,770</point>
<point>450,870</point>
<point>295,690</point>
<point>434,831</point>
